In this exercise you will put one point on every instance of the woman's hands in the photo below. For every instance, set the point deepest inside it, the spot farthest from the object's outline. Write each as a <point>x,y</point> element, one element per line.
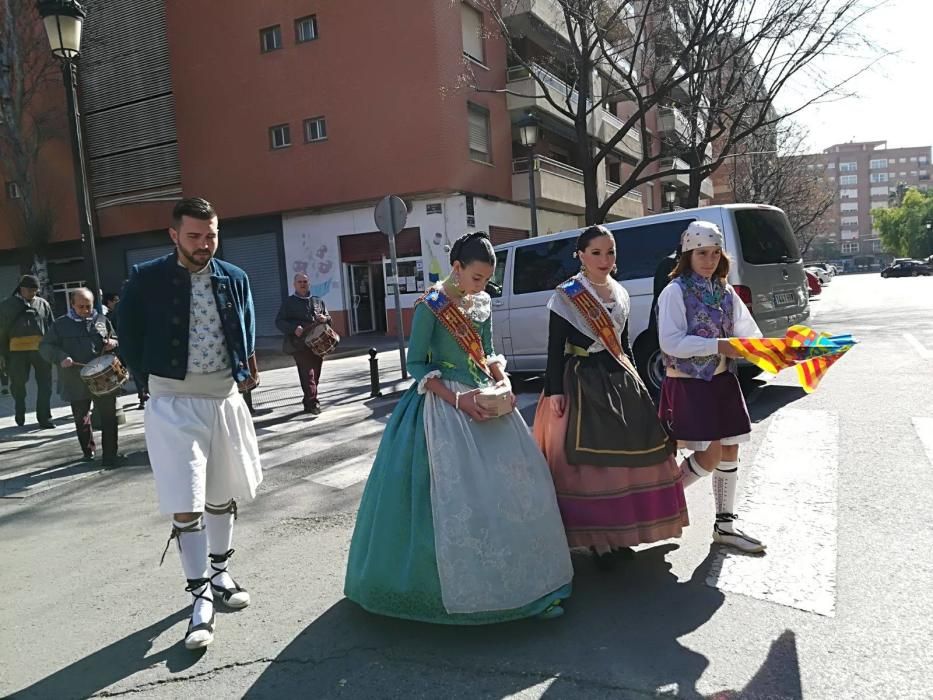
<point>469,405</point>
<point>558,404</point>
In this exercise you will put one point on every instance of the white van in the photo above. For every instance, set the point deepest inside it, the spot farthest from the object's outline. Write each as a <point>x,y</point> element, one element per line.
<point>767,272</point>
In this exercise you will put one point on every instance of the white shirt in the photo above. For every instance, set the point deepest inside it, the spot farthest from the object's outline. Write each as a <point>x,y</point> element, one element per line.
<point>672,325</point>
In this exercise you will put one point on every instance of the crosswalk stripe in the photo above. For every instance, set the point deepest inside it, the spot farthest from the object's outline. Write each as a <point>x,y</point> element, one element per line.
<point>346,473</point>
<point>789,502</point>
<point>918,346</point>
<point>924,429</point>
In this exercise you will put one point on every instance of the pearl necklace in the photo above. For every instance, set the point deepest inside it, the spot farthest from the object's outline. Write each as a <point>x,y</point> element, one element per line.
<point>595,283</point>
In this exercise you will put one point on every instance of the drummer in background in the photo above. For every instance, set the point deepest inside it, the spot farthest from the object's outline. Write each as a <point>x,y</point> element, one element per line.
<point>299,314</point>
<point>73,341</point>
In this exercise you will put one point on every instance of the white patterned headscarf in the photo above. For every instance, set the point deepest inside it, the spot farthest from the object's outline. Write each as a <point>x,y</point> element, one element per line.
<point>701,234</point>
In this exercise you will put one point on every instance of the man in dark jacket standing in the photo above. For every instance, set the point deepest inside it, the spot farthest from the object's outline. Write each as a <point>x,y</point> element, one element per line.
<point>24,319</point>
<point>74,340</point>
<point>297,316</point>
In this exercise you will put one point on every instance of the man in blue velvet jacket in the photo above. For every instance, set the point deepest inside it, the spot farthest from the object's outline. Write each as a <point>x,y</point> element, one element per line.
<point>186,322</point>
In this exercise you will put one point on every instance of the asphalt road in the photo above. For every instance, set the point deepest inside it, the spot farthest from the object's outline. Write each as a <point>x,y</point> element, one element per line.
<point>838,483</point>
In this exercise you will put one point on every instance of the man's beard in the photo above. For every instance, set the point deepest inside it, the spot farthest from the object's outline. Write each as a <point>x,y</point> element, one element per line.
<point>199,262</point>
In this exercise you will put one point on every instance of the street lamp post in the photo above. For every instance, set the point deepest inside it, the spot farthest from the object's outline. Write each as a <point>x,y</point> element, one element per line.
<point>671,197</point>
<point>63,23</point>
<point>929,227</point>
<point>528,133</point>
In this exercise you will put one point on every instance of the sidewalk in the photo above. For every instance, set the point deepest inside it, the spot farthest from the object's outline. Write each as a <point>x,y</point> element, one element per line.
<point>270,357</point>
<point>33,460</point>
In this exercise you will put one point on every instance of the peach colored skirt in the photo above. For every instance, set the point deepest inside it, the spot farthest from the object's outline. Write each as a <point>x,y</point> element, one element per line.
<point>610,506</point>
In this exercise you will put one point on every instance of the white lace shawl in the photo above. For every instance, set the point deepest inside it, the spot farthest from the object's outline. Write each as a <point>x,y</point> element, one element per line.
<point>619,314</point>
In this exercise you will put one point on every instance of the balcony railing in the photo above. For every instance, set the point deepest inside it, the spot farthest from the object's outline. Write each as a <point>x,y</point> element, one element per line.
<point>516,73</point>
<point>678,120</point>
<point>547,165</point>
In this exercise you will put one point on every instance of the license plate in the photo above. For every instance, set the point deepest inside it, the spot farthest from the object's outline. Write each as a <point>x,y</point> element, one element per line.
<point>784,298</point>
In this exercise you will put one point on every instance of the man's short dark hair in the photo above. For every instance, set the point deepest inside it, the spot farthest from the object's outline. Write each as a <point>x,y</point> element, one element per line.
<point>195,207</point>
<point>108,297</point>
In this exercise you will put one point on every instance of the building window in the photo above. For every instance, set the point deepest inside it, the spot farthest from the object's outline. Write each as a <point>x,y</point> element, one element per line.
<point>848,194</point>
<point>849,206</point>
<point>879,191</point>
<point>848,220</point>
<point>913,159</point>
<point>650,196</point>
<point>479,133</point>
<point>306,29</point>
<point>472,30</point>
<point>270,38</point>
<point>830,166</point>
<point>924,174</point>
<point>876,246</point>
<point>280,136</point>
<point>922,160</point>
<point>879,177</point>
<point>848,179</point>
<point>315,129</point>
<point>849,247</point>
<point>848,167</point>
<point>901,160</point>
<point>878,164</point>
<point>13,191</point>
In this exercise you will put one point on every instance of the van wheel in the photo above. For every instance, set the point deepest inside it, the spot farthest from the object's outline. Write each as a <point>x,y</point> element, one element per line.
<point>649,362</point>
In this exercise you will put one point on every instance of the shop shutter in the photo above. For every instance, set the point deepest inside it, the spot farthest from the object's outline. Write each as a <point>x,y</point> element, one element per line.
<point>141,255</point>
<point>502,234</point>
<point>372,247</point>
<point>9,278</point>
<point>258,256</point>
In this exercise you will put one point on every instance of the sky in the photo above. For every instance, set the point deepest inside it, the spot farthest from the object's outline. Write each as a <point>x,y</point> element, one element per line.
<point>893,101</point>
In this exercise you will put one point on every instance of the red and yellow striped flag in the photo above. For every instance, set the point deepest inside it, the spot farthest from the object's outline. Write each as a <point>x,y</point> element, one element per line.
<point>811,352</point>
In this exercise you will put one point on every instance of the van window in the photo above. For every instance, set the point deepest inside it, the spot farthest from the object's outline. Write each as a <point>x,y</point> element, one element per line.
<point>494,286</point>
<point>545,265</point>
<point>766,237</point>
<point>640,249</point>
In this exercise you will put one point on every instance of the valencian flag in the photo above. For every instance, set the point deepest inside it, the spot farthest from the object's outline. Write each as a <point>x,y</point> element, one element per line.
<point>811,352</point>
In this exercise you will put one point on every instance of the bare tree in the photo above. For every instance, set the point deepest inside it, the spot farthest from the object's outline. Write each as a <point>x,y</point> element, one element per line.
<point>721,63</point>
<point>27,69</point>
<point>776,169</point>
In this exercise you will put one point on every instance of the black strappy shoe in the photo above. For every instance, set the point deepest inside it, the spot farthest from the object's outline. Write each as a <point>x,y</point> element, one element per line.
<point>235,598</point>
<point>199,636</point>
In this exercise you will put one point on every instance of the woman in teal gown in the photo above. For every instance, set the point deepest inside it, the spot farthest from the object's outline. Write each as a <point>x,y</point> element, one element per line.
<point>459,523</point>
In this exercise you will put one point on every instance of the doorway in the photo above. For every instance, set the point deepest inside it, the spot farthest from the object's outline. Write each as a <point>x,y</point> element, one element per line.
<point>362,310</point>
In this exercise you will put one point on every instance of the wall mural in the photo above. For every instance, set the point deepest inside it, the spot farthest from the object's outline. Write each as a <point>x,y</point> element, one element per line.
<point>318,261</point>
<point>436,254</point>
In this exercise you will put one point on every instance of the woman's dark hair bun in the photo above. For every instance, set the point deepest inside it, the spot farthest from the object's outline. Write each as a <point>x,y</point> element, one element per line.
<point>473,247</point>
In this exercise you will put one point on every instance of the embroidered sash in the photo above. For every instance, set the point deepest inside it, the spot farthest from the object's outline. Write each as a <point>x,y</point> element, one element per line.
<point>458,325</point>
<point>597,318</point>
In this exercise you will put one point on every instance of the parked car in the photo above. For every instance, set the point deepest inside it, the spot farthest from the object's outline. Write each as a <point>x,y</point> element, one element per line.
<point>828,267</point>
<point>907,268</point>
<point>813,284</point>
<point>767,274</point>
<point>822,275</point>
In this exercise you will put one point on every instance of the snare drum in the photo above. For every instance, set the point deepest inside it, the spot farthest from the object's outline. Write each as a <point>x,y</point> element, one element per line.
<point>104,375</point>
<point>322,340</point>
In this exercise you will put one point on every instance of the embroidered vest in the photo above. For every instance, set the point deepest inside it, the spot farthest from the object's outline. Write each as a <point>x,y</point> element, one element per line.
<point>709,315</point>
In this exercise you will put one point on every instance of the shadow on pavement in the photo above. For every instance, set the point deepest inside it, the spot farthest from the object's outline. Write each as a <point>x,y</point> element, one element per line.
<point>113,664</point>
<point>619,638</point>
<point>766,399</point>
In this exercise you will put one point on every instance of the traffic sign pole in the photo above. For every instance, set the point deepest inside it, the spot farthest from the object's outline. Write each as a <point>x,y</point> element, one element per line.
<point>390,216</point>
<point>399,321</point>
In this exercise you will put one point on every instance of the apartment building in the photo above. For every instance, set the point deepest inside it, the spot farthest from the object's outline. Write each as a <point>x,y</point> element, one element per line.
<point>865,175</point>
<point>295,117</point>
